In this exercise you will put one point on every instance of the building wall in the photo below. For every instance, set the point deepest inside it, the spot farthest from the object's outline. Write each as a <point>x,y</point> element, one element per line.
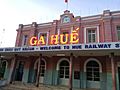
<point>51,74</point>
<point>105,23</point>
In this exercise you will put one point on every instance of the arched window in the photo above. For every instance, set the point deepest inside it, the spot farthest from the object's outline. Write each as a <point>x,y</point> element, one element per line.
<point>93,71</point>
<point>3,65</point>
<point>42,67</point>
<point>64,69</point>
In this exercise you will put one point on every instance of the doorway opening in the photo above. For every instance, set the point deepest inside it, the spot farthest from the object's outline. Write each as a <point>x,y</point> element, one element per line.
<point>19,71</point>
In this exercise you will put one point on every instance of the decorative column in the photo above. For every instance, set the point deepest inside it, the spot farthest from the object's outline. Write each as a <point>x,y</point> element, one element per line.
<point>19,38</point>
<point>26,70</point>
<point>32,30</point>
<point>12,69</point>
<point>38,71</point>
<point>70,71</point>
<point>58,33</point>
<point>113,72</point>
<point>107,26</point>
<point>47,41</point>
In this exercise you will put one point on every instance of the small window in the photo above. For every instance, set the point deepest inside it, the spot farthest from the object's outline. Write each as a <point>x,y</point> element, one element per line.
<point>25,37</point>
<point>118,32</point>
<point>91,35</point>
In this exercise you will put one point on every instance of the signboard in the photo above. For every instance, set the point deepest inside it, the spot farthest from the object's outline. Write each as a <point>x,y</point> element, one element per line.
<point>56,39</point>
<point>93,46</point>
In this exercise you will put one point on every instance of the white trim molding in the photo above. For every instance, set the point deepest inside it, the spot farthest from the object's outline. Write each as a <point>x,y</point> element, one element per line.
<point>60,60</point>
<point>97,33</point>
<point>47,38</point>
<point>58,32</point>
<point>92,59</point>
<point>37,62</point>
<point>85,35</point>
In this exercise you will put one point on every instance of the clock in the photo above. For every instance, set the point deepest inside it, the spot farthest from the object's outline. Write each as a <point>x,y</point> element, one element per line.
<point>66,19</point>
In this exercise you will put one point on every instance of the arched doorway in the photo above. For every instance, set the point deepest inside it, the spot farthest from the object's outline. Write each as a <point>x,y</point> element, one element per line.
<point>3,67</point>
<point>19,70</point>
<point>42,69</point>
<point>93,69</point>
<point>63,68</point>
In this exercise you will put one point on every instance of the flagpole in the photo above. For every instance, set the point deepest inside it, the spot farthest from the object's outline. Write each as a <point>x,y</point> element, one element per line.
<point>66,1</point>
<point>67,6</point>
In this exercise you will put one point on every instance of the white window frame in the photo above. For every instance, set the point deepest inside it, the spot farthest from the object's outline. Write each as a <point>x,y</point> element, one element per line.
<point>42,67</point>
<point>46,37</point>
<point>58,34</point>
<point>64,75</point>
<point>93,59</point>
<point>58,64</point>
<point>62,59</point>
<point>92,72</point>
<point>97,33</point>
<point>35,66</point>
<point>90,40</point>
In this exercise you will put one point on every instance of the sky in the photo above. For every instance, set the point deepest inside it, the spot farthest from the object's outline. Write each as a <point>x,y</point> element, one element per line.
<point>15,12</point>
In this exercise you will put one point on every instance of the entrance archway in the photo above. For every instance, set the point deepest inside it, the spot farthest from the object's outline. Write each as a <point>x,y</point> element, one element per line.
<point>93,67</point>
<point>42,69</point>
<point>19,70</point>
<point>63,68</point>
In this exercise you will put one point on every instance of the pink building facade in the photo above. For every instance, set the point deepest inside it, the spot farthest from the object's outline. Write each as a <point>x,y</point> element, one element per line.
<point>86,53</point>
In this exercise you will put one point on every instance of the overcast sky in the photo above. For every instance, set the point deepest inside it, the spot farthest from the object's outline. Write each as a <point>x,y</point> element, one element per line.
<point>15,12</point>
